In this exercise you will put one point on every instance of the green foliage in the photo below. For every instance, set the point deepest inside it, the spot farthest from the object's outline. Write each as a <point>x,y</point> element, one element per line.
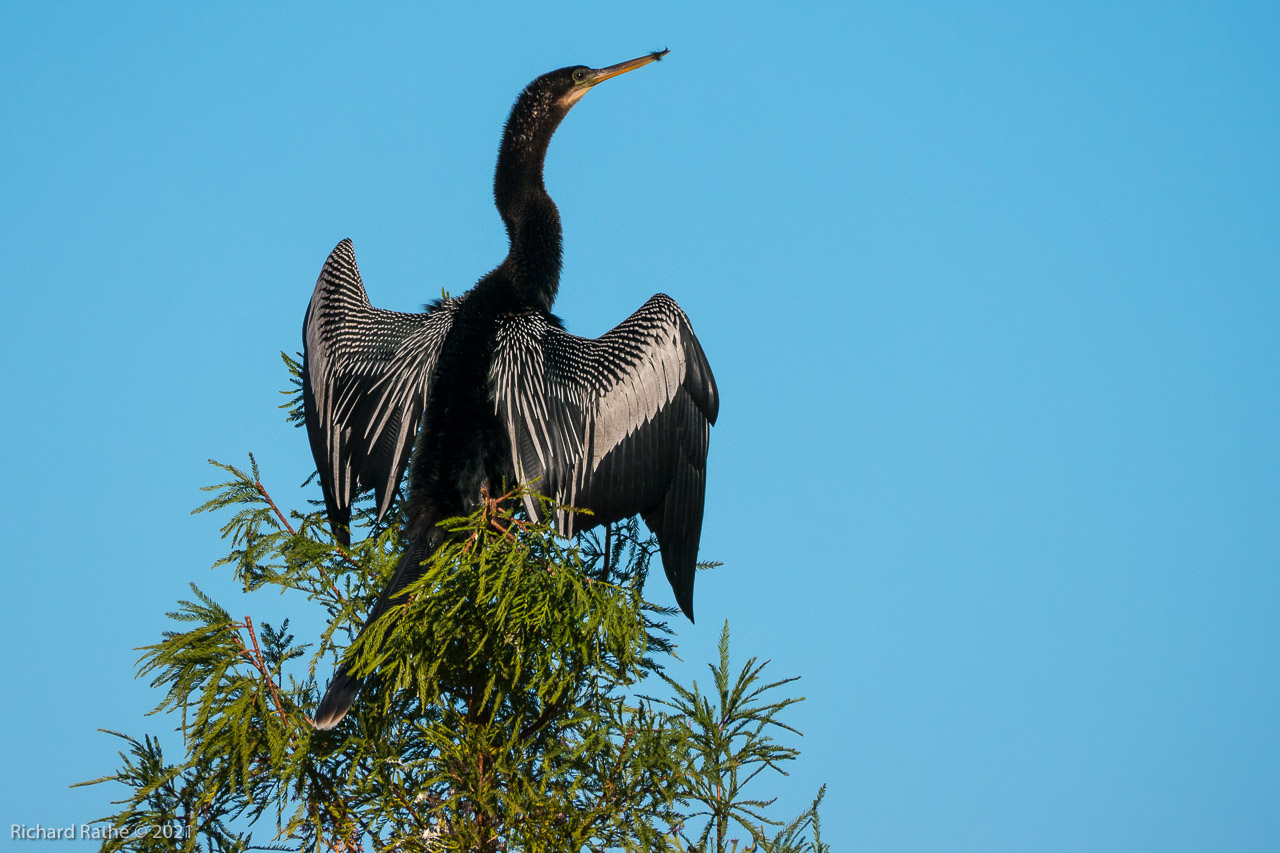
<point>501,710</point>
<point>729,739</point>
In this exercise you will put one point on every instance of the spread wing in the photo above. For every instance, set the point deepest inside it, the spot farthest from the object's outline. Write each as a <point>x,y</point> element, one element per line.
<point>365,378</point>
<point>617,425</point>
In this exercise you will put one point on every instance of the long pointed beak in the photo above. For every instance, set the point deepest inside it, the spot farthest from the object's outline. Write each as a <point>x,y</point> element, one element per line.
<point>601,74</point>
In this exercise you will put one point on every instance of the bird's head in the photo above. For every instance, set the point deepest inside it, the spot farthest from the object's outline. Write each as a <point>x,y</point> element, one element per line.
<point>547,100</point>
<point>568,85</point>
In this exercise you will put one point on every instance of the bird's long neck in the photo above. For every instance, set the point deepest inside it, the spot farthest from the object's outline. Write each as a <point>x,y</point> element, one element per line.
<point>531,217</point>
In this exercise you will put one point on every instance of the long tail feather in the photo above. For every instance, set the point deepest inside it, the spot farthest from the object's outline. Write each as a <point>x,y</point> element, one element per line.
<point>344,687</point>
<point>337,700</point>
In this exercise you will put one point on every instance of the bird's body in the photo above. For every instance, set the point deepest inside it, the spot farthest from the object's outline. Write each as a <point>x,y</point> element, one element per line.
<point>488,390</point>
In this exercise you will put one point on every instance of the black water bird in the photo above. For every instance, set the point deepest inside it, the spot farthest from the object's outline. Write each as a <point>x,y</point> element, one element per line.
<point>488,389</point>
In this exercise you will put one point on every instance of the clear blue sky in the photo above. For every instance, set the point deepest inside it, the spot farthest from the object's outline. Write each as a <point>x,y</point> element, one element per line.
<point>992,292</point>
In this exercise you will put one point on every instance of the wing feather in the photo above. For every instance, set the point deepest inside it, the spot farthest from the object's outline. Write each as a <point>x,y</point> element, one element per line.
<point>366,373</point>
<point>617,425</point>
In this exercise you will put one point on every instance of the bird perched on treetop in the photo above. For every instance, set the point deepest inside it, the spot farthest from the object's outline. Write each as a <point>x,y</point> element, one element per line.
<point>488,388</point>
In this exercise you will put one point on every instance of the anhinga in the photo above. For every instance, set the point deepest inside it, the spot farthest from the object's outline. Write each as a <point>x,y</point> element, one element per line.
<point>488,389</point>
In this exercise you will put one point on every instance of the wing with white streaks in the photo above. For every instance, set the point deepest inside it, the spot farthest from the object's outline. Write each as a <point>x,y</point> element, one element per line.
<point>617,425</point>
<point>366,373</point>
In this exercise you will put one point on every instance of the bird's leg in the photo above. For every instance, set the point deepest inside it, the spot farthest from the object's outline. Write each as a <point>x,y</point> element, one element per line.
<point>494,508</point>
<point>505,531</point>
<point>475,534</point>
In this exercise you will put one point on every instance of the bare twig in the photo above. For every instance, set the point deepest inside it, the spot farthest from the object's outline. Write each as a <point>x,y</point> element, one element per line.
<point>259,663</point>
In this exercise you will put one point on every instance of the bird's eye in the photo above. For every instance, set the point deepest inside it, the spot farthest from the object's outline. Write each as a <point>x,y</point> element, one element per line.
<point>579,76</point>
